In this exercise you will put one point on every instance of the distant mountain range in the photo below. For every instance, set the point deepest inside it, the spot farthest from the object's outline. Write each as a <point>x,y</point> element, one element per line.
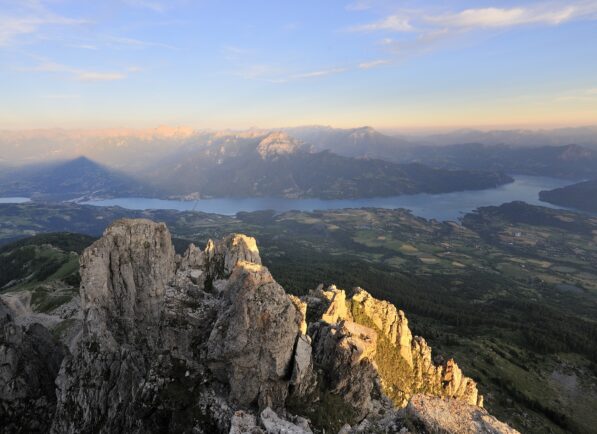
<point>581,196</point>
<point>569,161</point>
<point>78,178</point>
<point>278,165</point>
<point>273,165</point>
<point>353,142</point>
<point>312,161</point>
<point>584,136</point>
<point>136,149</point>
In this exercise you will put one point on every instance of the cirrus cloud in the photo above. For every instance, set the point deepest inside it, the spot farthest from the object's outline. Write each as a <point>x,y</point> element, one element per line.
<point>499,17</point>
<point>393,23</point>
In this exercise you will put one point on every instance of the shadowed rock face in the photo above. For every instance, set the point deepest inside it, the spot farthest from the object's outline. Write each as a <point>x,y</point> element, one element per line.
<point>30,358</point>
<point>209,342</point>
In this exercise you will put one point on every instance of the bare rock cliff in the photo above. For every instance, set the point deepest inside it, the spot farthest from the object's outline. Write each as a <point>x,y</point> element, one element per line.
<point>209,342</point>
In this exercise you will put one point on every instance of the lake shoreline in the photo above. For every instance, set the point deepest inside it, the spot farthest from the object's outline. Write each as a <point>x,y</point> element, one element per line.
<point>443,206</point>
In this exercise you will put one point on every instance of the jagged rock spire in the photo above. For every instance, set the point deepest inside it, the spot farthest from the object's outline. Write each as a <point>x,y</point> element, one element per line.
<point>209,343</point>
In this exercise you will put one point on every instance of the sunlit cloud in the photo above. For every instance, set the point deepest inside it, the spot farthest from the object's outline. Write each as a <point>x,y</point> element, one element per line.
<point>424,30</point>
<point>579,95</point>
<point>319,73</point>
<point>100,76</point>
<point>81,74</point>
<point>497,17</point>
<point>393,23</point>
<point>548,13</point>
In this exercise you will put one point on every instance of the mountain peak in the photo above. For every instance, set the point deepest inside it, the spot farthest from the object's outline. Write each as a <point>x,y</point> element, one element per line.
<point>277,143</point>
<point>242,347</point>
<point>575,152</point>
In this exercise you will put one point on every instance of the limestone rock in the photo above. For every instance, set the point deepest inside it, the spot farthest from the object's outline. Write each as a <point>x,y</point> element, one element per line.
<point>136,348</point>
<point>449,416</point>
<point>303,379</point>
<point>30,358</point>
<point>400,381</point>
<point>123,278</point>
<point>208,342</point>
<point>193,258</point>
<point>390,321</point>
<point>302,308</point>
<point>336,310</point>
<point>222,256</point>
<point>252,343</point>
<point>343,351</point>
<point>244,423</point>
<point>275,425</point>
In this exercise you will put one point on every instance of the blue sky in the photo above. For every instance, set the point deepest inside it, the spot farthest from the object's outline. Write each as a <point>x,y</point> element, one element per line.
<point>215,64</point>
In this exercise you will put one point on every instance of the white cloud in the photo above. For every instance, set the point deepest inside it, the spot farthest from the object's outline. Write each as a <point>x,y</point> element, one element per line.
<point>82,74</point>
<point>119,42</point>
<point>541,13</point>
<point>47,67</point>
<point>12,27</point>
<point>395,23</point>
<point>420,31</point>
<point>100,76</point>
<point>319,73</point>
<point>578,95</point>
<point>373,64</point>
<point>497,17</point>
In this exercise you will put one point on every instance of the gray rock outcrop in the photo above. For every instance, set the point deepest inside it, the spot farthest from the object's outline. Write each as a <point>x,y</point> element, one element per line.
<point>30,358</point>
<point>435,415</point>
<point>209,342</point>
<point>252,343</point>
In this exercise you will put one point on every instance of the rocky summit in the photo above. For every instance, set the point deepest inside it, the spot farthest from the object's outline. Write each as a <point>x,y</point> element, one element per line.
<point>209,342</point>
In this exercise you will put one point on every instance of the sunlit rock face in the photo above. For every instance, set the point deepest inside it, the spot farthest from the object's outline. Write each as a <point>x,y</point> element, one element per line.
<point>277,143</point>
<point>209,342</point>
<point>403,364</point>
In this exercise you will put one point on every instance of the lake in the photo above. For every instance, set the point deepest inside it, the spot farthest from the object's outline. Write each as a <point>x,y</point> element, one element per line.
<point>447,206</point>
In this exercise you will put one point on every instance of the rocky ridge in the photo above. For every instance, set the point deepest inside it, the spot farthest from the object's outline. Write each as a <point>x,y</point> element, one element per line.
<point>209,342</point>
